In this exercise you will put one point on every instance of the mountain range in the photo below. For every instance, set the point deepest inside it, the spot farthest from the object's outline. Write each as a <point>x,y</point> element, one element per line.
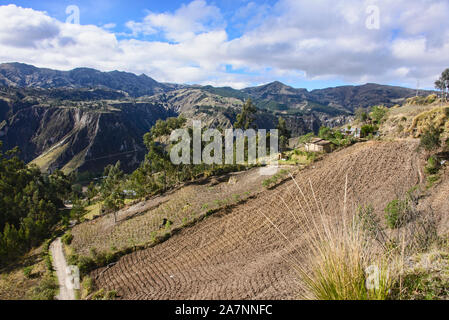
<point>84,119</point>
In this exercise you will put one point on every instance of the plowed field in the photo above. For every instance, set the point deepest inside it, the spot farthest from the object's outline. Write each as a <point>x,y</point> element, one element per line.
<point>236,254</point>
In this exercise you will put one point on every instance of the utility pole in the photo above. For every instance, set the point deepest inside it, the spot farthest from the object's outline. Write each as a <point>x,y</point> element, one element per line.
<point>417,87</point>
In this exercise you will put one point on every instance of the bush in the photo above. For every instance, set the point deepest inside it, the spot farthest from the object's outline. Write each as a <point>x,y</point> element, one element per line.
<point>433,165</point>
<point>367,129</point>
<point>432,179</point>
<point>87,285</point>
<point>430,139</point>
<point>103,295</point>
<point>431,98</point>
<point>67,238</point>
<point>326,133</point>
<point>27,271</point>
<point>396,213</point>
<point>378,113</point>
<point>46,290</point>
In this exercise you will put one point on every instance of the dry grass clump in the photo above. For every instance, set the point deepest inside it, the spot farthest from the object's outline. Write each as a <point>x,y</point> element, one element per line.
<point>435,118</point>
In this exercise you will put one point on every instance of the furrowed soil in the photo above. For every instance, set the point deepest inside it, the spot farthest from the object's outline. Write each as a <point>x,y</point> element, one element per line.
<point>140,223</point>
<point>238,254</point>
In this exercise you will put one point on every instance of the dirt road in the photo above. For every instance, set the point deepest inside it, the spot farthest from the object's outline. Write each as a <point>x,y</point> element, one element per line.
<point>60,265</point>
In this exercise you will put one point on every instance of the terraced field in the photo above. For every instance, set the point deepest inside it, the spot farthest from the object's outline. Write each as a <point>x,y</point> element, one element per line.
<point>141,223</point>
<point>237,254</point>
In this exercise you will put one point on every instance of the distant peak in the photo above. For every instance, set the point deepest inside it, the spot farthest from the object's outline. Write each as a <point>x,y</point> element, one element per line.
<point>277,83</point>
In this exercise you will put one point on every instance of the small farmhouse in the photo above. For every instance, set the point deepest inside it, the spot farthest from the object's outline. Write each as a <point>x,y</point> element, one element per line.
<point>319,145</point>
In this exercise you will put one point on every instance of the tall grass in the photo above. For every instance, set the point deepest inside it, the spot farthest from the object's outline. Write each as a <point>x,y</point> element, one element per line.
<point>340,259</point>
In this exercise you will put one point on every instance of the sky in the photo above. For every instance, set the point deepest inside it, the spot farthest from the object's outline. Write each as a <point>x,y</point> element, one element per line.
<point>237,43</point>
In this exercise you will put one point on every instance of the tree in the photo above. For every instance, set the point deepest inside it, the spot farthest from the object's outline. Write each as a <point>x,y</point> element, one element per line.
<point>29,203</point>
<point>91,192</point>
<point>439,84</point>
<point>378,113</point>
<point>246,118</point>
<point>326,133</point>
<point>114,202</point>
<point>113,181</point>
<point>443,84</point>
<point>306,138</point>
<point>283,132</point>
<point>366,130</point>
<point>361,114</point>
<point>78,210</point>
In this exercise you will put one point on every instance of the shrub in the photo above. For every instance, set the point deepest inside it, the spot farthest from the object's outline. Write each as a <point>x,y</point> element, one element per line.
<point>367,129</point>
<point>27,271</point>
<point>432,179</point>
<point>431,98</point>
<point>378,113</point>
<point>87,285</point>
<point>67,238</point>
<point>99,295</point>
<point>46,290</point>
<point>430,139</point>
<point>396,213</point>
<point>325,133</point>
<point>103,295</point>
<point>433,165</point>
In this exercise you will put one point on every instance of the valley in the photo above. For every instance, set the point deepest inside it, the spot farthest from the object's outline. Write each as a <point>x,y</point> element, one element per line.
<point>85,119</point>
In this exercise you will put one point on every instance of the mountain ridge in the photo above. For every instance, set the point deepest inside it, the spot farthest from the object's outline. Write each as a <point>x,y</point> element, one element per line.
<point>69,119</point>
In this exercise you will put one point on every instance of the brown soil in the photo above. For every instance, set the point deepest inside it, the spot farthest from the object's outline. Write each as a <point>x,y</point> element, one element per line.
<point>236,254</point>
<point>139,223</point>
<point>437,201</point>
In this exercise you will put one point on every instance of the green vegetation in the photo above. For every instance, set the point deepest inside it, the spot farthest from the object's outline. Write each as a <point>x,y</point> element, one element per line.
<point>430,139</point>
<point>29,203</point>
<point>104,295</point>
<point>343,264</point>
<point>378,114</point>
<point>443,84</point>
<point>67,238</point>
<point>46,290</point>
<point>396,213</point>
<point>433,165</point>
<point>284,134</point>
<point>78,210</point>
<point>426,277</point>
<point>246,118</point>
<point>334,136</point>
<point>361,114</point>
<point>422,100</point>
<point>432,179</point>
<point>87,286</point>
<point>27,271</point>
<point>367,130</point>
<point>306,138</point>
<point>275,179</point>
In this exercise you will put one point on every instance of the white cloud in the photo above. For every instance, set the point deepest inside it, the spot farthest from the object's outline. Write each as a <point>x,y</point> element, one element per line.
<point>109,26</point>
<point>188,21</point>
<point>292,39</point>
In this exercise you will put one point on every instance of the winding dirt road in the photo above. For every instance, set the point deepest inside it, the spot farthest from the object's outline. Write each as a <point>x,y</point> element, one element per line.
<point>60,265</point>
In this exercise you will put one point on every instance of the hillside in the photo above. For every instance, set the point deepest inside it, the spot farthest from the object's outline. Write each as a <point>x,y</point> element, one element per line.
<point>23,76</point>
<point>73,134</point>
<point>236,254</point>
<point>85,119</point>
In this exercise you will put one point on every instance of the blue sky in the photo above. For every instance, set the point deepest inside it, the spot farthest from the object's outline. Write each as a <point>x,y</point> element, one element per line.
<point>239,43</point>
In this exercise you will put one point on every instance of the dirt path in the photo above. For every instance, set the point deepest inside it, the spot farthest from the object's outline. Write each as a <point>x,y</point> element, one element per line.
<point>60,265</point>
